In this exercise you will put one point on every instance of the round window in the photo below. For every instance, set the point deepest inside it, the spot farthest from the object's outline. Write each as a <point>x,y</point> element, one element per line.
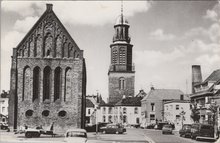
<point>45,113</point>
<point>29,113</point>
<point>62,114</point>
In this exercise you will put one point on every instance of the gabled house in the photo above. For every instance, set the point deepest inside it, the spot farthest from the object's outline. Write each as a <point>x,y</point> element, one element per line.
<point>152,105</point>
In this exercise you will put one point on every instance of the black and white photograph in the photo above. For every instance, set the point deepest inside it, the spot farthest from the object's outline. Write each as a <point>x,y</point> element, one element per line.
<point>120,71</point>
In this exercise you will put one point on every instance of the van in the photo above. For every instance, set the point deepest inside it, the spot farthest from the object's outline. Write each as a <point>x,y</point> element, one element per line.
<point>202,131</point>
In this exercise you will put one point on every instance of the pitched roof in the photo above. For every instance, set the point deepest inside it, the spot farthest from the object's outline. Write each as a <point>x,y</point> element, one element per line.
<point>89,103</point>
<point>165,94</point>
<point>214,76</point>
<point>141,93</point>
<point>129,101</point>
<point>47,17</point>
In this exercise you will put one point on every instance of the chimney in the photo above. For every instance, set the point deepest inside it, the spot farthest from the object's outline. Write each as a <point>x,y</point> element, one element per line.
<point>196,76</point>
<point>49,7</point>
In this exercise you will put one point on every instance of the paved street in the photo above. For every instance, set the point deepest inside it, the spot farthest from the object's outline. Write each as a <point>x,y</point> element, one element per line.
<point>132,136</point>
<point>158,137</point>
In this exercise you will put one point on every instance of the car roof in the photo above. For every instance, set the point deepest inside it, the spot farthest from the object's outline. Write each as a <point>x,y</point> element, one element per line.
<point>76,130</point>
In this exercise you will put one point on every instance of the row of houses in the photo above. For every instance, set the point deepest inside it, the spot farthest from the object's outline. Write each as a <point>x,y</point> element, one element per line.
<point>161,105</point>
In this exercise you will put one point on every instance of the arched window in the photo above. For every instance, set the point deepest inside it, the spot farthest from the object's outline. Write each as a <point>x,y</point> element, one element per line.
<point>124,119</point>
<point>110,119</point>
<point>104,110</point>
<point>26,83</point>
<point>104,120</point>
<point>38,47</point>
<point>32,50</point>
<point>46,83</point>
<point>124,110</point>
<point>58,49</point>
<point>57,83</point>
<point>36,83</point>
<point>136,110</point>
<point>48,44</point>
<point>114,56</point>
<point>110,110</point>
<point>65,49</point>
<point>67,89</point>
<point>122,83</point>
<point>122,55</point>
<point>137,120</point>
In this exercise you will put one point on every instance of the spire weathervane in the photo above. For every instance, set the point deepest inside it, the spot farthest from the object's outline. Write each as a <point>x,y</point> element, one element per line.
<point>122,12</point>
<point>122,7</point>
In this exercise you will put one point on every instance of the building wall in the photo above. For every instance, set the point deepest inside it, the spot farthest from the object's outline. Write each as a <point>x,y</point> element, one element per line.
<point>172,114</point>
<point>147,111</point>
<point>115,93</point>
<point>48,78</point>
<point>117,115</point>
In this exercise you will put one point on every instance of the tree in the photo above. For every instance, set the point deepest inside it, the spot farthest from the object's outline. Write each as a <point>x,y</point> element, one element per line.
<point>195,115</point>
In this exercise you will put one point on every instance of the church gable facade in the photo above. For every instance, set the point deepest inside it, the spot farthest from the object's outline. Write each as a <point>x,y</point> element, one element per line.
<point>48,78</point>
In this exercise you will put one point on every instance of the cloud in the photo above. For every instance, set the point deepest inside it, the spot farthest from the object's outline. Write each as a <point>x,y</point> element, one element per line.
<point>81,12</point>
<point>25,24</point>
<point>22,8</point>
<point>214,32</point>
<point>160,35</point>
<point>213,14</point>
<point>155,58</point>
<point>208,59</point>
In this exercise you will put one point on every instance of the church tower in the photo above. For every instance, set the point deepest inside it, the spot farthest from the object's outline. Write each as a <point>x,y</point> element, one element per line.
<point>121,72</point>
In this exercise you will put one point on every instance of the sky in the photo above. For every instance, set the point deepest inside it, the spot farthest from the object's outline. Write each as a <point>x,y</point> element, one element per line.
<point>168,37</point>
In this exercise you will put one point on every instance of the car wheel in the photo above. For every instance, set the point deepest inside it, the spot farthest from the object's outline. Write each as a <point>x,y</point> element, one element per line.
<point>28,135</point>
<point>104,132</point>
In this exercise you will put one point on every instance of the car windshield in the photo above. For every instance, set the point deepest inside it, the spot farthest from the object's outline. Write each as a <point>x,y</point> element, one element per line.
<point>76,134</point>
<point>167,126</point>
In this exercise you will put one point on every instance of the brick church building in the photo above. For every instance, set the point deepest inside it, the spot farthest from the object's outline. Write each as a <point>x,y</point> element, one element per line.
<point>48,78</point>
<point>121,72</point>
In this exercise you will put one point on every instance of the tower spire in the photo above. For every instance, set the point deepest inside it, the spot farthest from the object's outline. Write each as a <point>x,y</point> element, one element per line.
<point>121,7</point>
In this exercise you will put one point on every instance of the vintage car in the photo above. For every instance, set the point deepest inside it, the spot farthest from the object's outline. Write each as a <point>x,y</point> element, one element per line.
<point>185,131</point>
<point>113,129</point>
<point>167,129</point>
<point>75,136</point>
<point>202,131</point>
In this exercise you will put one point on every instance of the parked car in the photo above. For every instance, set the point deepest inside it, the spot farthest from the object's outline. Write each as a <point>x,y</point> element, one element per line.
<point>4,126</point>
<point>113,129</point>
<point>168,129</point>
<point>202,131</point>
<point>151,126</point>
<point>160,125</point>
<point>92,128</point>
<point>185,131</point>
<point>75,136</point>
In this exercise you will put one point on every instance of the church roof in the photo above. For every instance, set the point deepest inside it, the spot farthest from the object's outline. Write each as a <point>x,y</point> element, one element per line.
<point>121,20</point>
<point>47,17</point>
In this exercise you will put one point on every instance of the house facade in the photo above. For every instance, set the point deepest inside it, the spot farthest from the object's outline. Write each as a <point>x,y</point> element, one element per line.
<point>127,112</point>
<point>4,107</point>
<point>177,112</point>
<point>152,105</point>
<point>205,94</point>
